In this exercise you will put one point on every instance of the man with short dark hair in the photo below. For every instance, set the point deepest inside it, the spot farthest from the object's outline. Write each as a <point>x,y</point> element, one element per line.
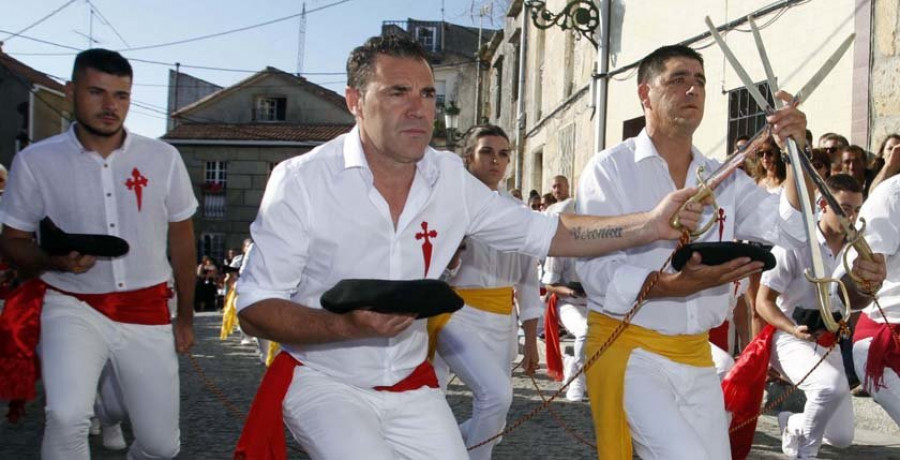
<point>833,143</point>
<point>99,178</point>
<point>785,291</point>
<point>853,162</point>
<point>378,202</point>
<point>656,385</point>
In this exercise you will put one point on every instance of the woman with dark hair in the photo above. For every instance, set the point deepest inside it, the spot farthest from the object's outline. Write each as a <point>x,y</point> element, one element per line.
<point>887,163</point>
<point>771,170</point>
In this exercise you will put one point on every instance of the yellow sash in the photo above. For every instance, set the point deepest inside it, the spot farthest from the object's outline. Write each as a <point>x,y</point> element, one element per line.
<point>229,314</point>
<point>606,378</point>
<point>492,300</point>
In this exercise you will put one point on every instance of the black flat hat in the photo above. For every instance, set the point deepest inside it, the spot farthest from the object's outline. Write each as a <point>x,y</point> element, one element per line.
<point>57,242</point>
<point>424,298</point>
<point>719,253</point>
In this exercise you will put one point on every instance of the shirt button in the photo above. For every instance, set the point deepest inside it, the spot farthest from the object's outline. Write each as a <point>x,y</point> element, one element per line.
<point>121,284</point>
<point>112,225</point>
<point>105,165</point>
<point>108,195</point>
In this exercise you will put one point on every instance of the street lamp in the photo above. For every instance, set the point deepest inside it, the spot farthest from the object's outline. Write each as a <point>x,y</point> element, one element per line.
<point>451,123</point>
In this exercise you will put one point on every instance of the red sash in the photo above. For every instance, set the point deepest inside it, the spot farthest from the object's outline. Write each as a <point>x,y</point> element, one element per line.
<point>718,336</point>
<point>20,330</point>
<point>743,389</point>
<point>551,339</point>
<point>263,435</point>
<point>883,352</point>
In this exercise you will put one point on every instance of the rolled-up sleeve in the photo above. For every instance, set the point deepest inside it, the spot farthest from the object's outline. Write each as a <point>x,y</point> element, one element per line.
<point>609,280</point>
<point>504,225</point>
<point>274,267</point>
<point>528,291</point>
<point>785,270</point>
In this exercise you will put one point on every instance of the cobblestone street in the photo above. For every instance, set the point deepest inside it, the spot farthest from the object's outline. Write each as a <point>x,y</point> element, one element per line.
<point>210,424</point>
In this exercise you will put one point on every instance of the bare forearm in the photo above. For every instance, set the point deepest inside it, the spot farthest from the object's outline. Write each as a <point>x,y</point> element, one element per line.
<point>790,189</point>
<point>858,298</point>
<point>773,315</point>
<point>886,172</point>
<point>291,323</point>
<point>25,254</point>
<point>588,236</point>
<point>183,257</point>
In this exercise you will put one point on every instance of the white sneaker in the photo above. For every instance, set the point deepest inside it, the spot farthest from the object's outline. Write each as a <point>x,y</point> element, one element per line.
<point>113,438</point>
<point>95,426</point>
<point>575,391</point>
<point>790,442</point>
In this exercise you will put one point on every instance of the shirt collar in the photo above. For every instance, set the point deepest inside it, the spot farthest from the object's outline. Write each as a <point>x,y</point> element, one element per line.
<point>81,149</point>
<point>644,149</point>
<point>355,157</point>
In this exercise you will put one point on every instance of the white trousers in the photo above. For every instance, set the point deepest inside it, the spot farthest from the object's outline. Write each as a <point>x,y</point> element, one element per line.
<point>479,347</point>
<point>76,343</point>
<point>828,413</point>
<point>574,319</point>
<point>109,406</point>
<point>721,360</point>
<point>674,411</point>
<point>889,396</point>
<point>334,420</point>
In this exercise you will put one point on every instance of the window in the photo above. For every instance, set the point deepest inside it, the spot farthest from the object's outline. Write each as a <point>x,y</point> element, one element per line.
<point>427,37</point>
<point>566,144</point>
<point>215,181</point>
<point>270,109</point>
<point>745,117</point>
<point>440,90</point>
<point>213,245</point>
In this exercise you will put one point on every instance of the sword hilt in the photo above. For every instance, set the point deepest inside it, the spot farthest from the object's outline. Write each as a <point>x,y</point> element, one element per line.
<point>823,299</point>
<point>700,197</point>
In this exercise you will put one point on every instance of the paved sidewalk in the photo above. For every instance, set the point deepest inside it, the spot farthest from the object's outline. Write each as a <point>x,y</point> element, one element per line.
<point>210,430</point>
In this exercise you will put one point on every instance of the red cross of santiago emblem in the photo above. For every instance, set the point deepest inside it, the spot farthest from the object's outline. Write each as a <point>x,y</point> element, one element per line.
<point>721,220</point>
<point>426,245</point>
<point>136,182</point>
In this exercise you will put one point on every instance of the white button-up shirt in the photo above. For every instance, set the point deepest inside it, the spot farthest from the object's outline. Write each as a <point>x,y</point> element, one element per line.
<point>787,277</point>
<point>322,220</point>
<point>882,214</point>
<point>133,193</point>
<point>481,266</point>
<point>633,177</point>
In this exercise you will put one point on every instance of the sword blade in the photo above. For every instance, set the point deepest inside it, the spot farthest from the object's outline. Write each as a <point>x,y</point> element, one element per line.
<point>823,72</point>
<point>764,56</point>
<point>738,68</point>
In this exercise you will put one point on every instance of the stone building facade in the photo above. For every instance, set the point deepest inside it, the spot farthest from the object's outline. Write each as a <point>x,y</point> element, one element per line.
<point>231,140</point>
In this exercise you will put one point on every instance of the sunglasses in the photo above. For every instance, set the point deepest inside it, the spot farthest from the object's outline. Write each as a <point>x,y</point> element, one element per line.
<point>818,164</point>
<point>830,150</point>
<point>767,153</point>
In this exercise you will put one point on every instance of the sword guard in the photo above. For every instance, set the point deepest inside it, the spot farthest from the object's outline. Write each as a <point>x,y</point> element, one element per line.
<point>823,299</point>
<point>704,193</point>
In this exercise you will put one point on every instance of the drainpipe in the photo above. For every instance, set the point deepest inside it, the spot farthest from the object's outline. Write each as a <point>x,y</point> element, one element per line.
<point>601,79</point>
<point>520,106</point>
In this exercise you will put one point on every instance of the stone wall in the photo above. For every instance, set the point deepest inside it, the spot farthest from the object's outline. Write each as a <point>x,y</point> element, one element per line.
<point>885,84</point>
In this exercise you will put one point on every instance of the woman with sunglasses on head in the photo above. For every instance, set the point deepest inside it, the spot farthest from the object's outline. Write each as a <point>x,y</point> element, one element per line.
<point>771,170</point>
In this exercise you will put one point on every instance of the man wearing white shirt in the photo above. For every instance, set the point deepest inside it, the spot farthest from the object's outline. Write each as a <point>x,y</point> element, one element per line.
<point>657,384</point>
<point>99,178</point>
<point>828,413</point>
<point>479,342</point>
<point>379,203</point>
<point>876,352</point>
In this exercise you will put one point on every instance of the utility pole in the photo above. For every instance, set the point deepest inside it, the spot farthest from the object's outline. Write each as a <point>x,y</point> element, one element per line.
<point>301,41</point>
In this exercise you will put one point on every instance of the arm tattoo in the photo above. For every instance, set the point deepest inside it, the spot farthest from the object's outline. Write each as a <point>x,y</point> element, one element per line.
<point>580,233</point>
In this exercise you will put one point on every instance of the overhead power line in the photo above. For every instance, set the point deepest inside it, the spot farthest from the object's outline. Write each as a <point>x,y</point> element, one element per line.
<point>48,16</point>
<point>240,29</point>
